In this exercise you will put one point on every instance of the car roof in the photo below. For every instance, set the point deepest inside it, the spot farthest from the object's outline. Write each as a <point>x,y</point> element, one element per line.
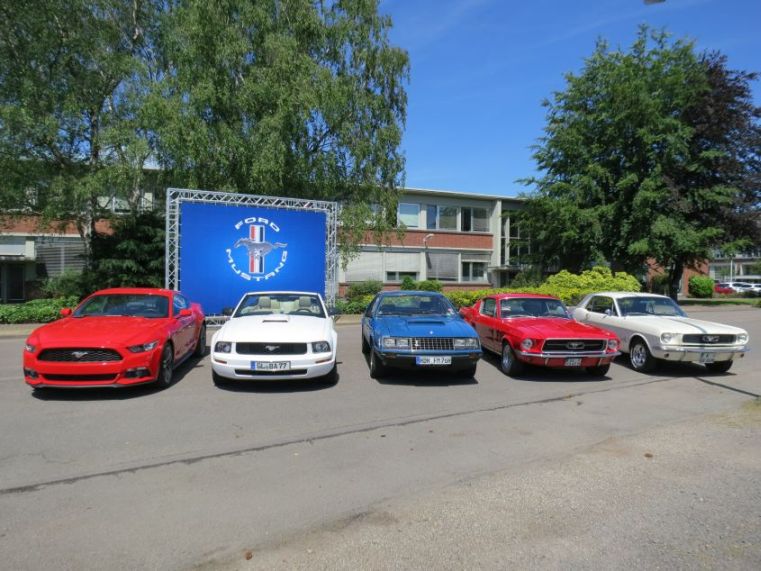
<point>397,293</point>
<point>275,292</point>
<point>620,294</point>
<point>134,290</point>
<point>517,295</point>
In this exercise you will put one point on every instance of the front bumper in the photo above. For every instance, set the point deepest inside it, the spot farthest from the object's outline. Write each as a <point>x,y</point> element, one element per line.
<point>133,369</point>
<point>587,358</point>
<point>697,354</point>
<point>238,367</point>
<point>401,360</point>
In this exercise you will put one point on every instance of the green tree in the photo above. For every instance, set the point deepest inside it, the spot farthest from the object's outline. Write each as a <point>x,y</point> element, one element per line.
<point>284,97</point>
<point>650,154</point>
<point>70,92</point>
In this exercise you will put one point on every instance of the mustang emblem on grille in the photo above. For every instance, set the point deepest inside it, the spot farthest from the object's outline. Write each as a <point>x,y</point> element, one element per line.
<point>79,354</point>
<point>575,344</point>
<point>272,348</point>
<point>710,338</point>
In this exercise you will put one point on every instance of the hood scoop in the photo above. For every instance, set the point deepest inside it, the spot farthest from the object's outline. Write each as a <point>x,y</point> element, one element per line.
<point>426,321</point>
<point>283,319</point>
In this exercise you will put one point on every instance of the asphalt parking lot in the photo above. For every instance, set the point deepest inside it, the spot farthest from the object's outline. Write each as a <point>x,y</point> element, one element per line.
<point>197,476</point>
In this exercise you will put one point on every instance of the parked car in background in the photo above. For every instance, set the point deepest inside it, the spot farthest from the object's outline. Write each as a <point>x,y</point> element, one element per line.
<point>538,330</point>
<point>653,327</point>
<point>418,330</point>
<point>737,287</point>
<point>722,288</point>
<point>116,338</point>
<point>276,335</point>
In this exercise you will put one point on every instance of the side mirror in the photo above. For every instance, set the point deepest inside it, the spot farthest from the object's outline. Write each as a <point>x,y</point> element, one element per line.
<point>65,312</point>
<point>333,311</point>
<point>185,313</point>
<point>608,312</point>
<point>227,311</point>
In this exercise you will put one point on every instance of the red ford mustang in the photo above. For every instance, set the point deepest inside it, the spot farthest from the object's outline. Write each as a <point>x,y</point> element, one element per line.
<point>115,338</point>
<point>537,329</point>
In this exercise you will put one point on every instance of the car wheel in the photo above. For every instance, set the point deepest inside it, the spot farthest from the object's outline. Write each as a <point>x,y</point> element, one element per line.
<point>365,344</point>
<point>219,380</point>
<point>508,362</point>
<point>166,367</point>
<point>598,371</point>
<point>719,366</point>
<point>377,368</point>
<point>640,357</point>
<point>200,350</point>
<point>332,376</point>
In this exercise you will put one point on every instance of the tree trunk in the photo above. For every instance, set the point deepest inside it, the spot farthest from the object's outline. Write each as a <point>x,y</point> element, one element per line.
<point>675,276</point>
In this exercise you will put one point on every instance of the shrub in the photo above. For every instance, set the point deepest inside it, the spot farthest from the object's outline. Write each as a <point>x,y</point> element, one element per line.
<point>700,286</point>
<point>356,305</point>
<point>429,285</point>
<point>36,311</point>
<point>407,283</point>
<point>68,284</point>
<point>361,289</point>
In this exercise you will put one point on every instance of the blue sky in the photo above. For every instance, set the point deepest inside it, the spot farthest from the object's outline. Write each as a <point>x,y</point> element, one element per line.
<point>481,68</point>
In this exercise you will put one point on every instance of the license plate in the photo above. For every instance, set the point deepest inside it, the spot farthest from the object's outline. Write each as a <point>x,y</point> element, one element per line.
<point>573,362</point>
<point>270,365</point>
<point>706,357</point>
<point>433,360</point>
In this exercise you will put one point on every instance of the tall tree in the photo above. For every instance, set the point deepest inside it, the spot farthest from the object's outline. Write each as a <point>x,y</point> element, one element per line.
<point>70,86</point>
<point>283,97</point>
<point>650,154</point>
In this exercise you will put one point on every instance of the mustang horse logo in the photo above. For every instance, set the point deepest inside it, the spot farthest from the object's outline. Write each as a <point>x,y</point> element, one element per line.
<point>258,248</point>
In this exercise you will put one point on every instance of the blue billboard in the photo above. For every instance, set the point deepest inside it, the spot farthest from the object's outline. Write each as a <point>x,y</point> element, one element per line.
<point>226,251</point>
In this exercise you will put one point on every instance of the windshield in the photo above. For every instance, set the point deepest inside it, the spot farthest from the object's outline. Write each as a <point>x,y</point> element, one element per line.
<point>532,307</point>
<point>280,304</point>
<point>415,304</point>
<point>649,306</point>
<point>130,305</point>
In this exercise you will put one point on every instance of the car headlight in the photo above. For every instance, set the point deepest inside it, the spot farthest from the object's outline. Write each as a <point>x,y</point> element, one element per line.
<point>612,344</point>
<point>465,343</point>
<point>741,338</point>
<point>321,347</point>
<point>144,347</point>
<point>668,337</point>
<point>223,347</point>
<point>527,344</point>
<point>29,348</point>
<point>396,342</point>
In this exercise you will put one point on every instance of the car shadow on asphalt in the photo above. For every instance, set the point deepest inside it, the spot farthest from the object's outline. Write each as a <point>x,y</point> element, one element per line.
<point>675,369</point>
<point>119,393</point>
<point>536,374</point>
<point>419,378</point>
<point>258,386</point>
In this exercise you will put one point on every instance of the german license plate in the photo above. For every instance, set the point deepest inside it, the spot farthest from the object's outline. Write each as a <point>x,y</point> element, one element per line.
<point>573,362</point>
<point>706,357</point>
<point>270,365</point>
<point>433,360</point>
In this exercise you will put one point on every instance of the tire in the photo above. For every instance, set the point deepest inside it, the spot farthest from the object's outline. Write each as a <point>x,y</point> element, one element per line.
<point>365,344</point>
<point>719,366</point>
<point>468,373</point>
<point>200,349</point>
<point>640,357</point>
<point>332,377</point>
<point>219,380</point>
<point>377,368</point>
<point>166,367</point>
<point>508,362</point>
<point>598,371</point>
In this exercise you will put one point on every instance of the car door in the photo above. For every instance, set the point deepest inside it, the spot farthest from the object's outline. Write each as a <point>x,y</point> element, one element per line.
<point>485,321</point>
<point>184,326</point>
<point>367,319</point>
<point>602,312</point>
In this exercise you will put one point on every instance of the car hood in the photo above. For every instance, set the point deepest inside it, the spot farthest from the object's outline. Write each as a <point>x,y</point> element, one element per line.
<point>276,328</point>
<point>681,325</point>
<point>553,327</point>
<point>424,326</point>
<point>98,331</point>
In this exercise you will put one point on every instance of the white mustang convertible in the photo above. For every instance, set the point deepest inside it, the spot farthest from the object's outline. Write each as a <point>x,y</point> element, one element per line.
<point>277,336</point>
<point>653,327</point>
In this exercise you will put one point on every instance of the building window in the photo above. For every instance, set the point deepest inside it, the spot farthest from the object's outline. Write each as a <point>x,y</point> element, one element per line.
<point>441,266</point>
<point>475,220</point>
<point>408,215</point>
<point>441,217</point>
<point>474,271</point>
<point>399,276</point>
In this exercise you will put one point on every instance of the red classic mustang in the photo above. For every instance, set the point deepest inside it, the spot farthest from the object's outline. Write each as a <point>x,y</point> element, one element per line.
<point>115,338</point>
<point>537,329</point>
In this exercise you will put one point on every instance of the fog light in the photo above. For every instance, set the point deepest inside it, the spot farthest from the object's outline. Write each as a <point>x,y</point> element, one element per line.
<point>31,373</point>
<point>136,373</point>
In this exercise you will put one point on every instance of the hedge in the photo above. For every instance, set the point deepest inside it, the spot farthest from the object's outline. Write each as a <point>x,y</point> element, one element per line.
<point>700,286</point>
<point>36,311</point>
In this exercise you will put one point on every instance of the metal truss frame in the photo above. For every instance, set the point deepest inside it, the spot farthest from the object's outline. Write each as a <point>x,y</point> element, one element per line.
<point>176,196</point>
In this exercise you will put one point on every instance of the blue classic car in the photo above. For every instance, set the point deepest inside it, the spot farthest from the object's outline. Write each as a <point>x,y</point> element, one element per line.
<point>418,330</point>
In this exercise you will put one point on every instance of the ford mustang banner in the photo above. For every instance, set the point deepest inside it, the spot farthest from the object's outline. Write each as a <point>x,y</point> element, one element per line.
<point>226,251</point>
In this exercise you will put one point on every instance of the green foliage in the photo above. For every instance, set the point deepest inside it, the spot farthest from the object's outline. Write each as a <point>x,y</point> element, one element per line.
<point>531,277</point>
<point>651,153</point>
<point>36,311</point>
<point>355,305</point>
<point>362,289</point>
<point>700,286</point>
<point>68,284</point>
<point>407,284</point>
<point>428,285</point>
<point>659,283</point>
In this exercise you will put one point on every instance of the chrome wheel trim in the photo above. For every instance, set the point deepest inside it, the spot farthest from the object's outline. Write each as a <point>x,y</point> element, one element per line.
<point>166,366</point>
<point>507,358</point>
<point>638,355</point>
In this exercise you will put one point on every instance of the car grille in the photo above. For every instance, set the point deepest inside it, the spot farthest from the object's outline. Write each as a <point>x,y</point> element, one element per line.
<point>431,344</point>
<point>99,377</point>
<point>271,348</point>
<point>707,339</point>
<point>573,345</point>
<point>79,355</point>
<point>249,372</point>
